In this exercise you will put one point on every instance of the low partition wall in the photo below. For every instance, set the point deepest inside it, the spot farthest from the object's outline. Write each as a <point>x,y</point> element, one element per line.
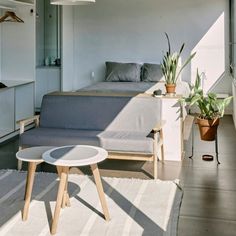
<point>172,113</point>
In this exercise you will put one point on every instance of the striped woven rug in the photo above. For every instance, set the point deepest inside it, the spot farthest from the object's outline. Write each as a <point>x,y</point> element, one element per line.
<point>137,207</point>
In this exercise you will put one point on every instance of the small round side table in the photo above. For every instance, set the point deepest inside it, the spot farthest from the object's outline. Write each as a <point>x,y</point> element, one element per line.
<point>74,156</point>
<point>33,156</point>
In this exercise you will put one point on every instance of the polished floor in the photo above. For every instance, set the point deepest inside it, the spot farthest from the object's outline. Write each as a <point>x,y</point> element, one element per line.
<point>209,201</point>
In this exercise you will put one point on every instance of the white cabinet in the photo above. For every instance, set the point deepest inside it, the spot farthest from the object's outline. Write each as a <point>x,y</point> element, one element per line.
<point>12,4</point>
<point>47,81</point>
<point>7,111</point>
<point>23,2</point>
<point>24,102</point>
<point>16,102</point>
<point>17,66</point>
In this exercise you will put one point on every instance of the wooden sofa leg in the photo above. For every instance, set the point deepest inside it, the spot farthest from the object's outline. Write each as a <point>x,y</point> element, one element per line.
<point>162,146</point>
<point>19,163</point>
<point>155,158</point>
<point>155,166</point>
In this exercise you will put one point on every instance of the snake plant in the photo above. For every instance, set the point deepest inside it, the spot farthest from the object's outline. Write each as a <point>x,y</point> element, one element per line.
<point>170,63</point>
<point>210,106</point>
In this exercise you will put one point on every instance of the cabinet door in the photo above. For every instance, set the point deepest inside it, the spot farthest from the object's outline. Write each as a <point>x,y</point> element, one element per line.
<point>40,86</point>
<point>7,111</point>
<point>24,102</point>
<point>47,81</point>
<point>53,80</point>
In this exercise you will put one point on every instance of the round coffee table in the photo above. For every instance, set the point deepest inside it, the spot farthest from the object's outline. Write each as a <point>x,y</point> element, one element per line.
<point>33,156</point>
<point>72,156</point>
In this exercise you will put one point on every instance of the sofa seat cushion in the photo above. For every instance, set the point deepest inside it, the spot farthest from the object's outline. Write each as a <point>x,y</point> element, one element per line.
<point>126,141</point>
<point>123,141</point>
<point>58,137</point>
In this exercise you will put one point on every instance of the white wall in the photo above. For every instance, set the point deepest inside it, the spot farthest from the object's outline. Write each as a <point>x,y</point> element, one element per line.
<point>18,46</point>
<point>133,31</point>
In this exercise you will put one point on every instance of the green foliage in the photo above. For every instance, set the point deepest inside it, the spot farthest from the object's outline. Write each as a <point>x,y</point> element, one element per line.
<point>210,106</point>
<point>170,63</point>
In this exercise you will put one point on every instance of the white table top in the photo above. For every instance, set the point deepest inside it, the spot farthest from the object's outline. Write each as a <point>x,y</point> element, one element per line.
<point>32,154</point>
<point>79,155</point>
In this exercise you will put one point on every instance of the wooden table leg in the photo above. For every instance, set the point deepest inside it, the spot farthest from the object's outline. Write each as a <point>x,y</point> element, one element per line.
<point>28,189</point>
<point>60,194</point>
<point>101,194</point>
<point>59,170</point>
<point>66,195</point>
<point>66,198</point>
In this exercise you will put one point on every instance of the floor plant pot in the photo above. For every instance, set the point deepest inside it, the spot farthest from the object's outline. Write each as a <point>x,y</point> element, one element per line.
<point>170,88</point>
<point>208,128</point>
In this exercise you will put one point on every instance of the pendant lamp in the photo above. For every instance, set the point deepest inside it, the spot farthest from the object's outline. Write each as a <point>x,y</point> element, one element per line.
<point>72,2</point>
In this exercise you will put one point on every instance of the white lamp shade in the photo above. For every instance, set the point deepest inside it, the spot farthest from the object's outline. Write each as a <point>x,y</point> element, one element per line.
<point>72,2</point>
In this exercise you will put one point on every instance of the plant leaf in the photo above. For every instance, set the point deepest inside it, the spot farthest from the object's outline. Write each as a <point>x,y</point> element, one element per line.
<point>194,99</point>
<point>228,100</point>
<point>185,64</point>
<point>168,41</point>
<point>181,49</point>
<point>212,96</point>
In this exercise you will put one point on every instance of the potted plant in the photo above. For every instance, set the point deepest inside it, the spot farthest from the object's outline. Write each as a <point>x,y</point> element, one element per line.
<point>169,66</point>
<point>211,109</point>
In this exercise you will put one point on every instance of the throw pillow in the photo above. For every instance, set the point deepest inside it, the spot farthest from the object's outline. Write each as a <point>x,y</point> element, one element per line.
<point>122,72</point>
<point>151,72</point>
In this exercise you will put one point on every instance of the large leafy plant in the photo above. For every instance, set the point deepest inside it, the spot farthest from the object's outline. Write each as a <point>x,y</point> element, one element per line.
<point>170,63</point>
<point>210,106</point>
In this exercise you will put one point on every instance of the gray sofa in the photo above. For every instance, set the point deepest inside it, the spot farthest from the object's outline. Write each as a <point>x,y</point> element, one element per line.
<point>127,127</point>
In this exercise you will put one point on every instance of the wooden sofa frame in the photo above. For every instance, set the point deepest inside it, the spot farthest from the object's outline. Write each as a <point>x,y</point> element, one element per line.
<point>135,156</point>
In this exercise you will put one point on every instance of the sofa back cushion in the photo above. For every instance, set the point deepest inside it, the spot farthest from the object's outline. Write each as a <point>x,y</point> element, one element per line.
<point>121,113</point>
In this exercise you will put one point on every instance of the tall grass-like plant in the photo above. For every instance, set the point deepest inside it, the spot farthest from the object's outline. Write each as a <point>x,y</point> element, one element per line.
<point>170,63</point>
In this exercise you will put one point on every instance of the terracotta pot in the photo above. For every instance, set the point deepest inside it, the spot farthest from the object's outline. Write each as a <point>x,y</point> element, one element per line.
<point>170,88</point>
<point>208,128</point>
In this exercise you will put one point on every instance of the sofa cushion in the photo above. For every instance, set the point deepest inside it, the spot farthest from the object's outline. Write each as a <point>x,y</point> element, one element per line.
<point>126,141</point>
<point>151,73</point>
<point>121,113</point>
<point>58,137</point>
<point>110,140</point>
<point>123,72</point>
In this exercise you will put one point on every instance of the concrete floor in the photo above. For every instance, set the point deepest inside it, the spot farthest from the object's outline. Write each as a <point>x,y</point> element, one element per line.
<point>209,201</point>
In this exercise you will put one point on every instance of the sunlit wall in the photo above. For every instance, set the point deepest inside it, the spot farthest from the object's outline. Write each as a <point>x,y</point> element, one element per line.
<point>210,57</point>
